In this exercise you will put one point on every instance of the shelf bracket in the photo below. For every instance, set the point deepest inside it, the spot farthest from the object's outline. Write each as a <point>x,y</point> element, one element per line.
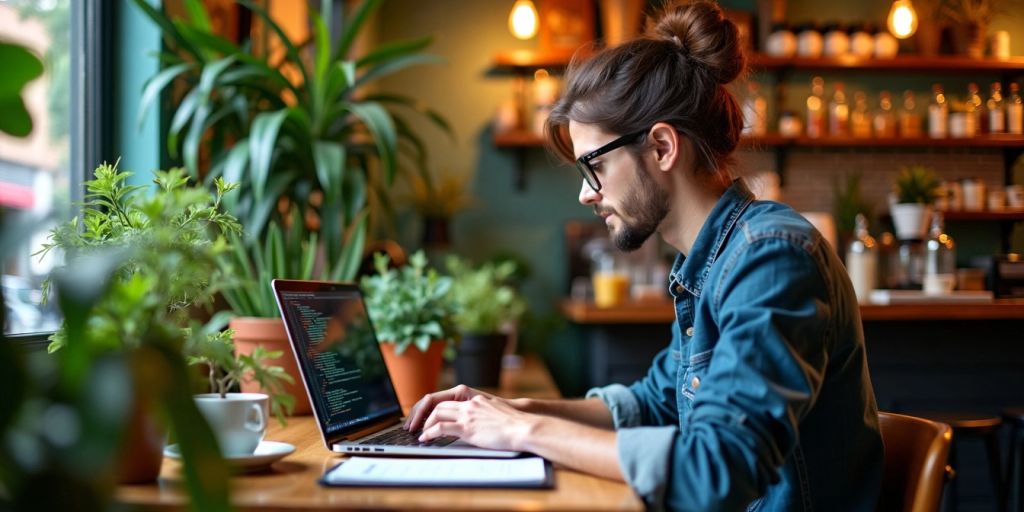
<point>520,172</point>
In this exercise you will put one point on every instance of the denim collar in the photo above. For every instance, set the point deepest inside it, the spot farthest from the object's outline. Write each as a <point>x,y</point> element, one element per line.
<point>691,271</point>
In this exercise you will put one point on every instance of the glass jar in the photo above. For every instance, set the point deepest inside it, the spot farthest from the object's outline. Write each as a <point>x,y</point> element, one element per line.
<point>836,40</point>
<point>886,46</point>
<point>862,42</point>
<point>781,42</point>
<point>809,41</point>
<point>862,261</point>
<point>939,260</point>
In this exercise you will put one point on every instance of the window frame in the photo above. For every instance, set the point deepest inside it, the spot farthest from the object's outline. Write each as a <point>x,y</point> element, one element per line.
<point>91,134</point>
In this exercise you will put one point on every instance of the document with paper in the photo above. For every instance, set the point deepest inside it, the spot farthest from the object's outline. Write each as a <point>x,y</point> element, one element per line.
<point>530,472</point>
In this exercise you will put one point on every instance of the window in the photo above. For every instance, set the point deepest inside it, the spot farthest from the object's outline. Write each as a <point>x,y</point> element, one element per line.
<point>41,175</point>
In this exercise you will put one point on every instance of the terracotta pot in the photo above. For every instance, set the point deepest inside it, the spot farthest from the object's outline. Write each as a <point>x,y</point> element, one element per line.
<point>141,452</point>
<point>269,333</point>
<point>413,372</point>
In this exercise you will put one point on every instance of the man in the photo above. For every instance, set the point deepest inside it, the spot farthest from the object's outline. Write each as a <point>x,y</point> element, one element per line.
<point>762,400</point>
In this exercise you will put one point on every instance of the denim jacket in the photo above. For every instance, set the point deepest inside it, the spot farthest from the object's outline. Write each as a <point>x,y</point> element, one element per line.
<point>762,400</point>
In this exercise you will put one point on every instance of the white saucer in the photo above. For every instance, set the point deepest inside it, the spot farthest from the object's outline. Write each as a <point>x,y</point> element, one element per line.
<point>267,453</point>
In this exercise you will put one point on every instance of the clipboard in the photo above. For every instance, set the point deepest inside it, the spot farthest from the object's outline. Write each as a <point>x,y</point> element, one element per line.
<point>547,481</point>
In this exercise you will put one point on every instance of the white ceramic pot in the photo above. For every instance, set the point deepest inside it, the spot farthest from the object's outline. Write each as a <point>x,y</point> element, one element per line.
<point>910,220</point>
<point>239,420</point>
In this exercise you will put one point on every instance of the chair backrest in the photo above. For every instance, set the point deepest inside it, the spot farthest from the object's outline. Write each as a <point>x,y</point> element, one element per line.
<point>916,450</point>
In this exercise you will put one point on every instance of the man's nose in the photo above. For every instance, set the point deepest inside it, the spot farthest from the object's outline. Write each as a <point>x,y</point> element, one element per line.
<point>587,194</point>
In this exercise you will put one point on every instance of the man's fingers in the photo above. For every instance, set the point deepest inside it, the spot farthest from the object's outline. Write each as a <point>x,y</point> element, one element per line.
<point>444,411</point>
<point>441,429</point>
<point>425,406</point>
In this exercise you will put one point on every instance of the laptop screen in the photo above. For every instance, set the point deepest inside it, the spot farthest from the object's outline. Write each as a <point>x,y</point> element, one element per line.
<point>336,347</point>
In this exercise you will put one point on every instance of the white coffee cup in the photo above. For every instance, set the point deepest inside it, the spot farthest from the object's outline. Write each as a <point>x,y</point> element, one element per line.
<point>239,420</point>
<point>974,194</point>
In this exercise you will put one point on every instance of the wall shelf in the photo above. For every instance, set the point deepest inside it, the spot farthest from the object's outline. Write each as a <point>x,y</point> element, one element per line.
<point>984,141</point>
<point>944,64</point>
<point>1002,216</point>
<point>517,139</point>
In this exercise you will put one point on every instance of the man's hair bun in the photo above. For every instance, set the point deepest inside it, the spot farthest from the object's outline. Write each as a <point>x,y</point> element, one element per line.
<point>702,33</point>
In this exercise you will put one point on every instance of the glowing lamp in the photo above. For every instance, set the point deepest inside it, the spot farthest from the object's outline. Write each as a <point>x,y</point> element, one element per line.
<point>902,19</point>
<point>522,21</point>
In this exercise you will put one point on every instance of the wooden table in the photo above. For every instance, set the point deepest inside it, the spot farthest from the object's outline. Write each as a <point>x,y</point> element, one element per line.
<point>291,484</point>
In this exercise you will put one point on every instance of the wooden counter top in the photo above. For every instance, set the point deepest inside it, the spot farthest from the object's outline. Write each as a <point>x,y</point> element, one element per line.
<point>291,484</point>
<point>662,312</point>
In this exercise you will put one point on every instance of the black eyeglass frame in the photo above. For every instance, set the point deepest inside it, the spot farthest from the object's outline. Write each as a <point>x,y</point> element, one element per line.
<point>583,162</point>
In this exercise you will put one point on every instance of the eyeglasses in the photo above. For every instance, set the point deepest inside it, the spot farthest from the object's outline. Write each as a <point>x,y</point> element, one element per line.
<point>583,162</point>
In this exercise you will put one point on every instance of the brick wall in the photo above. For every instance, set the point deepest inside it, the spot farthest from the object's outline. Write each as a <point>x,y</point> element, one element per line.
<point>811,173</point>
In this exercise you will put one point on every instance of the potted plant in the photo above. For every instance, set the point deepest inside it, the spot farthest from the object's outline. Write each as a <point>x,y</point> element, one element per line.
<point>847,202</point>
<point>141,261</point>
<point>414,319</point>
<point>913,195</point>
<point>970,20</point>
<point>437,199</point>
<point>487,304</point>
<point>315,156</point>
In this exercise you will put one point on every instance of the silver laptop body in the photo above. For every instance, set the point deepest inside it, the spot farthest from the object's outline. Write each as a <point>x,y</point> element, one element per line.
<point>343,372</point>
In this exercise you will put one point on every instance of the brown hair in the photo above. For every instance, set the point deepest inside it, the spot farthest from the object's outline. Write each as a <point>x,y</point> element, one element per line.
<point>676,73</point>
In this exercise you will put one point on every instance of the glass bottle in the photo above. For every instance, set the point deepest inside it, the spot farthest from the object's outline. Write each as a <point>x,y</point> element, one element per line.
<point>939,259</point>
<point>938,113</point>
<point>1014,111</point>
<point>755,111</point>
<point>910,120</point>
<point>994,105</point>
<point>884,122</point>
<point>862,260</point>
<point>816,108</point>
<point>973,101</point>
<point>860,118</point>
<point>839,113</point>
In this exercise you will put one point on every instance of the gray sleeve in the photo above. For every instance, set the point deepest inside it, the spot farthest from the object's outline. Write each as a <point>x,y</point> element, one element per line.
<point>644,455</point>
<point>622,403</point>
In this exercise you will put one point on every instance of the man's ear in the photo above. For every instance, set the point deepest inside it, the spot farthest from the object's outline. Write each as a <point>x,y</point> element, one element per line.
<point>669,146</point>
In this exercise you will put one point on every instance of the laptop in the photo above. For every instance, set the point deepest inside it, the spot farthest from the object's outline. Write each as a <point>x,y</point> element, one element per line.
<point>343,371</point>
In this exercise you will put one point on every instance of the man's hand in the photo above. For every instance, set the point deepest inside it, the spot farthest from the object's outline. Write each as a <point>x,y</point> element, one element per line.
<point>483,420</point>
<point>422,409</point>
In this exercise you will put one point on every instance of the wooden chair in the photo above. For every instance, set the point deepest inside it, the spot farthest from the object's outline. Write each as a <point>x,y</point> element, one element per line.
<point>916,452</point>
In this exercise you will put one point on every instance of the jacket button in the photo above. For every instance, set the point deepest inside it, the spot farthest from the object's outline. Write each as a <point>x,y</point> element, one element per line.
<point>679,288</point>
<point>689,331</point>
<point>695,383</point>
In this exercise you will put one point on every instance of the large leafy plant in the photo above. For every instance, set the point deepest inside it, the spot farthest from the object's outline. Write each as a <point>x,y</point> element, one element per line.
<point>410,306</point>
<point>484,295</point>
<point>314,155</point>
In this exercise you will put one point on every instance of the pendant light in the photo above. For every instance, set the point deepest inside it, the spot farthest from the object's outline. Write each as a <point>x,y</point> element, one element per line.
<point>902,20</point>
<point>522,21</point>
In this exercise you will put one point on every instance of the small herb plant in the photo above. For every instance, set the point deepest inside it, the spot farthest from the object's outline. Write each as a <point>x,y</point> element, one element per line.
<point>410,306</point>
<point>916,184</point>
<point>169,241</point>
<point>484,296</point>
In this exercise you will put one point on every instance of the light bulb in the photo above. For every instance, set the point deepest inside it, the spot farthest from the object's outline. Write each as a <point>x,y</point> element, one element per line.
<point>902,19</point>
<point>522,21</point>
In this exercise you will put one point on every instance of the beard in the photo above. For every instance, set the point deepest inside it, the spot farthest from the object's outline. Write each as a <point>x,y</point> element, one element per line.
<point>646,204</point>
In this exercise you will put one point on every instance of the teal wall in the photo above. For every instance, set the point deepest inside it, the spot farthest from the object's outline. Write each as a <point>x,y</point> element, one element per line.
<point>137,40</point>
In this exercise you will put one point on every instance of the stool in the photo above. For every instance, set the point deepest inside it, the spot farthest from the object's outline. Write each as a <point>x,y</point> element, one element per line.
<point>1013,485</point>
<point>983,426</point>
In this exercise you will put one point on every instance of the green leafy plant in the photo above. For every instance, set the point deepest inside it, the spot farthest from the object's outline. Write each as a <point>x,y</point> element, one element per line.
<point>441,196</point>
<point>848,201</point>
<point>483,295</point>
<point>20,68</point>
<point>318,148</point>
<point>916,184</point>
<point>137,263</point>
<point>410,306</point>
<point>173,239</point>
<point>979,12</point>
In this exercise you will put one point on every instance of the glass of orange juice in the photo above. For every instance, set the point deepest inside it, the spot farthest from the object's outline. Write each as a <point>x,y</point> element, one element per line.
<point>611,288</point>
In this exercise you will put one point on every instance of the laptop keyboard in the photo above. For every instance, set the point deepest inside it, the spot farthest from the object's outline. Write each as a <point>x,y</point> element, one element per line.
<point>402,437</point>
